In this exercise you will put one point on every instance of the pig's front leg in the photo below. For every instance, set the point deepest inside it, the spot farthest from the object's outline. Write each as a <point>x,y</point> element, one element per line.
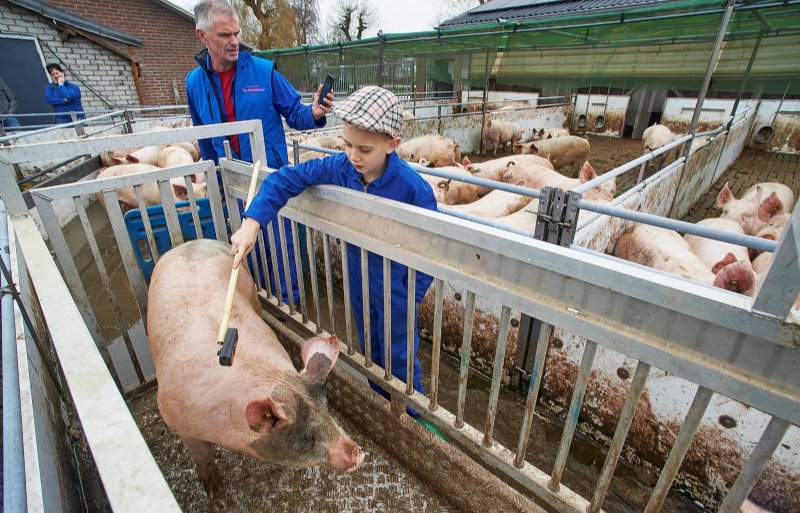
<point>207,471</point>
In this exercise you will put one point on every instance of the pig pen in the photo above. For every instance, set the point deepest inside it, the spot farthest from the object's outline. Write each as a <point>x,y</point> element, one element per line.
<point>581,292</point>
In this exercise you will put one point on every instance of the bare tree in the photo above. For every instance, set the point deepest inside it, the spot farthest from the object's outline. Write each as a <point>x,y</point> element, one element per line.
<point>306,26</point>
<point>452,8</point>
<point>351,19</point>
<point>266,23</point>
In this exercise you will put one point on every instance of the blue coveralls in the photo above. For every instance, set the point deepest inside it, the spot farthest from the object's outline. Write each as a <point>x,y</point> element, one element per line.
<point>255,97</point>
<point>399,182</point>
<point>65,98</point>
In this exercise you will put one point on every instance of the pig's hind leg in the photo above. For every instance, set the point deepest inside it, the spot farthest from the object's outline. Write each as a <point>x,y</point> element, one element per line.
<point>207,471</point>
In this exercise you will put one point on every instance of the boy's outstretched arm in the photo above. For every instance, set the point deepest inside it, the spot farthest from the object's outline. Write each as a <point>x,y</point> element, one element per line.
<point>243,241</point>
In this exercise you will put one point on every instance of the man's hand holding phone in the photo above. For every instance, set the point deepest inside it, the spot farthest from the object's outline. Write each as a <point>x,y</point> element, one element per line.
<point>323,101</point>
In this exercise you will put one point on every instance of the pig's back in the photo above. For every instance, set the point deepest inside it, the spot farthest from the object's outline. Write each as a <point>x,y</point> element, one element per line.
<point>187,296</point>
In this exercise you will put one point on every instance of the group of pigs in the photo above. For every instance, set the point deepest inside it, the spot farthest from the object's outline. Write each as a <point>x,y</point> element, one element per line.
<point>138,160</point>
<point>763,211</point>
<point>525,170</point>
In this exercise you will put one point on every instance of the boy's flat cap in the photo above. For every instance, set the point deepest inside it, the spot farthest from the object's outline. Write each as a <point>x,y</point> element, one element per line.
<point>373,109</point>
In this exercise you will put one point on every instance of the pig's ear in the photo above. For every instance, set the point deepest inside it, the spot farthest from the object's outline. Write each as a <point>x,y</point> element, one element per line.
<point>587,172</point>
<point>728,259</point>
<point>264,414</point>
<point>466,161</point>
<point>444,184</point>
<point>179,189</point>
<point>770,207</point>
<point>724,196</point>
<point>533,150</point>
<point>319,356</point>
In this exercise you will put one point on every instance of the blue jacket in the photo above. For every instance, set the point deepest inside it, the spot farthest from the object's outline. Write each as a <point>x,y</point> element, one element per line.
<point>399,182</point>
<point>260,92</point>
<point>65,98</point>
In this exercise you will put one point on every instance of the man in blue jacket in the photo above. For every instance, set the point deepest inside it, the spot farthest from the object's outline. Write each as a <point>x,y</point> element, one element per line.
<point>230,84</point>
<point>63,95</point>
<point>373,119</point>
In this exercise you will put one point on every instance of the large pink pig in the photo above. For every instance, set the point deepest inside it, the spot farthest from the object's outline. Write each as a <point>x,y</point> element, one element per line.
<point>494,169</point>
<point>260,405</point>
<point>538,178</point>
<point>438,151</point>
<point>667,251</point>
<point>150,194</point>
<point>495,204</point>
<point>499,133</point>
<point>563,151</point>
<point>715,253</point>
<point>757,206</point>
<point>653,138</point>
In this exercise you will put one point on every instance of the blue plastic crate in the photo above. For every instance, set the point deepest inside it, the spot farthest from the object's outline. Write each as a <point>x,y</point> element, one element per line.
<point>138,236</point>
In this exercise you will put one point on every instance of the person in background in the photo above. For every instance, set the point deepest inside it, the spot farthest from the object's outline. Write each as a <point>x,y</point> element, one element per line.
<point>373,121</point>
<point>63,95</point>
<point>8,107</point>
<point>230,84</point>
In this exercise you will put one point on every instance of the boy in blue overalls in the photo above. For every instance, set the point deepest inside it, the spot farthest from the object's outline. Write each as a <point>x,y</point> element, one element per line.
<point>373,120</point>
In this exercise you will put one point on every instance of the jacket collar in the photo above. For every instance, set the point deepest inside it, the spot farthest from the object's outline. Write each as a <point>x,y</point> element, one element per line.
<point>392,169</point>
<point>204,59</point>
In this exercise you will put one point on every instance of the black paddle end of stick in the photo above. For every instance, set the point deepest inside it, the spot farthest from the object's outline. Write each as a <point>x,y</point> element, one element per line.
<point>228,349</point>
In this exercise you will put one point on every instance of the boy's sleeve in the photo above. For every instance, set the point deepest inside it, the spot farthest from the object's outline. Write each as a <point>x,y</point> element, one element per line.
<point>287,182</point>
<point>288,103</point>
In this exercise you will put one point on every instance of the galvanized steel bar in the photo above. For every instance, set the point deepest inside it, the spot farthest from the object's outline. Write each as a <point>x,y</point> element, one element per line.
<point>497,375</point>
<point>298,264</point>
<point>712,64</point>
<point>466,349</point>
<point>690,424</point>
<point>134,273</point>
<point>14,481</point>
<point>572,415</point>
<point>533,393</point>
<point>623,425</point>
<point>286,269</point>
<point>436,350</point>
<point>759,458</point>
<point>193,207</point>
<point>170,213</point>
<point>275,275</point>
<point>411,329</point>
<point>148,226</point>
<point>326,250</point>
<point>778,291</point>
<point>352,346</point>
<point>365,308</point>
<point>101,270</point>
<point>215,200</point>
<point>262,255</point>
<point>312,269</point>
<point>387,319</point>
<point>70,271</point>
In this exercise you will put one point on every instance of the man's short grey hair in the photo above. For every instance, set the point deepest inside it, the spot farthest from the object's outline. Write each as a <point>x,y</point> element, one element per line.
<point>206,11</point>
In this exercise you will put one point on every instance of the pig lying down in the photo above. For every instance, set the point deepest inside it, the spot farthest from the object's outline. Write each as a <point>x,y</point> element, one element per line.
<point>261,405</point>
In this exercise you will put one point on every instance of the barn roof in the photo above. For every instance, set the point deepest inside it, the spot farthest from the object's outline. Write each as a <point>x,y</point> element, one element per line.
<point>501,10</point>
<point>79,22</point>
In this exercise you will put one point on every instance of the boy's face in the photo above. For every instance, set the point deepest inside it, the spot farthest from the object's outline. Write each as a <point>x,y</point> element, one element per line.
<point>367,151</point>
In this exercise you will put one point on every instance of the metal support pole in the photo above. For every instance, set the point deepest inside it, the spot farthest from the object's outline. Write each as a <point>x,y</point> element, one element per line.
<point>712,63</point>
<point>485,98</point>
<point>381,43</point>
<point>14,492</point>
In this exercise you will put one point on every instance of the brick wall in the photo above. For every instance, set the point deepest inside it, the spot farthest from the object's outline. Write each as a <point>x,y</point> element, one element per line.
<point>168,41</point>
<point>104,77</point>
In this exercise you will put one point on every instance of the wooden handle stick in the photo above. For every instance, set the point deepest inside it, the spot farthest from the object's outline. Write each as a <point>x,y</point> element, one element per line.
<point>226,314</point>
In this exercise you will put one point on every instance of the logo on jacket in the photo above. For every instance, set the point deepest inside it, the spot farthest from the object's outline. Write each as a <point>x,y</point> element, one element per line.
<point>253,89</point>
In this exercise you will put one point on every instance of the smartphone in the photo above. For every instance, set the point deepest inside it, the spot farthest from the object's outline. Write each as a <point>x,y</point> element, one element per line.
<point>326,88</point>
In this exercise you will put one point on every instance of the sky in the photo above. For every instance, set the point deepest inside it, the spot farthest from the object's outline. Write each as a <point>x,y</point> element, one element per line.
<point>394,15</point>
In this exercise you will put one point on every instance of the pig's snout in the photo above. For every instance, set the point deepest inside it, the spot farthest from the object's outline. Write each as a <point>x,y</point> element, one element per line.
<point>345,455</point>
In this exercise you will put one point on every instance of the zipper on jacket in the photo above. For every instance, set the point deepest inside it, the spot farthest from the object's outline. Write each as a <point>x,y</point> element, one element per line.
<point>278,158</point>
<point>362,182</point>
<point>210,108</point>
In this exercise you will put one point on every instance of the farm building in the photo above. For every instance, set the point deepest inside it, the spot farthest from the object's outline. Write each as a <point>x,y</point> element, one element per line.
<point>558,375</point>
<point>123,54</point>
